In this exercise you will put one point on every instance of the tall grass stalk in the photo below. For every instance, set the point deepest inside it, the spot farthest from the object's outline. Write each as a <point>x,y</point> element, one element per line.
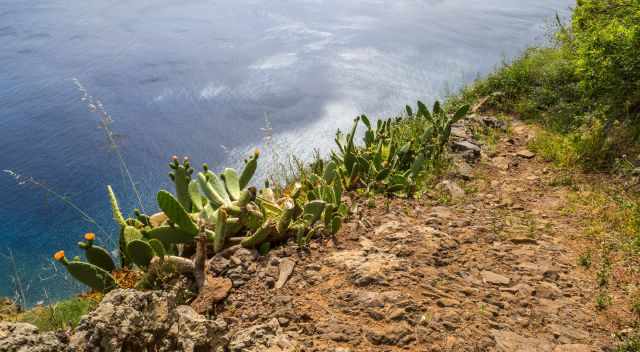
<point>22,180</point>
<point>96,106</point>
<point>20,289</point>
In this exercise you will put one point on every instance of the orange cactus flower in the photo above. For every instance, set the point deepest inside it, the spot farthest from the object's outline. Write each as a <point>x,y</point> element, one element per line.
<point>59,255</point>
<point>89,236</point>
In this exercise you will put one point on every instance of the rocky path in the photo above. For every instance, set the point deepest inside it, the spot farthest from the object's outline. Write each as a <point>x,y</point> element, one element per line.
<point>494,270</point>
<point>485,262</point>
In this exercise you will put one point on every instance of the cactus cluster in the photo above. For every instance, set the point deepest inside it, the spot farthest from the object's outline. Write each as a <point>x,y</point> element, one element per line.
<point>213,207</point>
<point>394,154</point>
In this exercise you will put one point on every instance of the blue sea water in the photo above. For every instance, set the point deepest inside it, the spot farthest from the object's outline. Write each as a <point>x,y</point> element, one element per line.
<point>212,80</point>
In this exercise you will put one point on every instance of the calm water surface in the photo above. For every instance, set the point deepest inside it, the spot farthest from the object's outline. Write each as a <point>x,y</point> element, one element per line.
<point>201,78</point>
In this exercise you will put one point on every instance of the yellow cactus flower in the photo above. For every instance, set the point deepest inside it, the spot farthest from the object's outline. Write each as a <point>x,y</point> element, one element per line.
<point>257,152</point>
<point>59,255</point>
<point>89,236</point>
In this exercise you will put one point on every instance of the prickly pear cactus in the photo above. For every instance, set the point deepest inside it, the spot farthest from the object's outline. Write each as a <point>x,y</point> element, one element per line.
<point>140,252</point>
<point>91,275</point>
<point>96,255</point>
<point>249,170</point>
<point>117,214</point>
<point>181,177</point>
<point>176,212</point>
<point>221,231</point>
<point>169,235</point>
<point>158,248</point>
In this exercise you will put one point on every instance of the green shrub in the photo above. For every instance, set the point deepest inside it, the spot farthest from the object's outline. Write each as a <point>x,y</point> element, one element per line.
<point>541,85</point>
<point>606,42</point>
<point>59,316</point>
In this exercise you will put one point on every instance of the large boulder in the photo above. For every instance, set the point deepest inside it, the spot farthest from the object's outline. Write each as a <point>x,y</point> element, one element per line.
<point>23,337</point>
<point>131,320</point>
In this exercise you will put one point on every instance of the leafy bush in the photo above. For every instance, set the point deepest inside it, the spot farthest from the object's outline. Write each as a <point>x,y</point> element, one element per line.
<point>607,41</point>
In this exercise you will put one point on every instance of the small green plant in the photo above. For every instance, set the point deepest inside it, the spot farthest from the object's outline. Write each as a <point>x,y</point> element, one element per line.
<point>603,300</point>
<point>630,343</point>
<point>585,259</point>
<point>602,276</point>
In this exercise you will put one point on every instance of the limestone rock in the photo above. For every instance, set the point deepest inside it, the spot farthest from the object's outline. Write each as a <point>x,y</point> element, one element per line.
<point>23,337</point>
<point>131,320</point>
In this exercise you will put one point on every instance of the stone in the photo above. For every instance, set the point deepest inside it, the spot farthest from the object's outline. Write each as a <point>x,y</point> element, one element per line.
<point>527,154</point>
<point>574,348</point>
<point>567,334</point>
<point>501,163</point>
<point>390,335</point>
<point>246,256</point>
<point>132,320</point>
<point>23,337</point>
<point>268,337</point>
<point>285,269</point>
<point>447,302</point>
<point>452,189</point>
<point>507,341</point>
<point>214,290</point>
<point>459,131</point>
<point>548,290</point>
<point>495,279</point>
<point>365,268</point>
<point>218,265</point>
<point>462,146</point>
<point>523,240</point>
<point>463,170</point>
<point>492,122</point>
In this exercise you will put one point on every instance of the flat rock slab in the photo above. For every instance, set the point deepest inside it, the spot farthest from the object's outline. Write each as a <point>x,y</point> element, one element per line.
<point>507,341</point>
<point>574,348</point>
<point>462,146</point>
<point>495,279</point>
<point>525,153</point>
<point>214,290</point>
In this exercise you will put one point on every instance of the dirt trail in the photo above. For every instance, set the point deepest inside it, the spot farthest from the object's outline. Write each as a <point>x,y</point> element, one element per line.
<point>495,270</point>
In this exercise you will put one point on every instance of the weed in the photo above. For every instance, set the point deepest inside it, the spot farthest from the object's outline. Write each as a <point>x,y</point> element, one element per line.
<point>603,300</point>
<point>63,315</point>
<point>585,259</point>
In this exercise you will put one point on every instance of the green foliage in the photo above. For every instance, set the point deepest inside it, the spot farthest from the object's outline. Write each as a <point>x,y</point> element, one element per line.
<point>630,344</point>
<point>586,86</point>
<point>607,40</point>
<point>62,315</point>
